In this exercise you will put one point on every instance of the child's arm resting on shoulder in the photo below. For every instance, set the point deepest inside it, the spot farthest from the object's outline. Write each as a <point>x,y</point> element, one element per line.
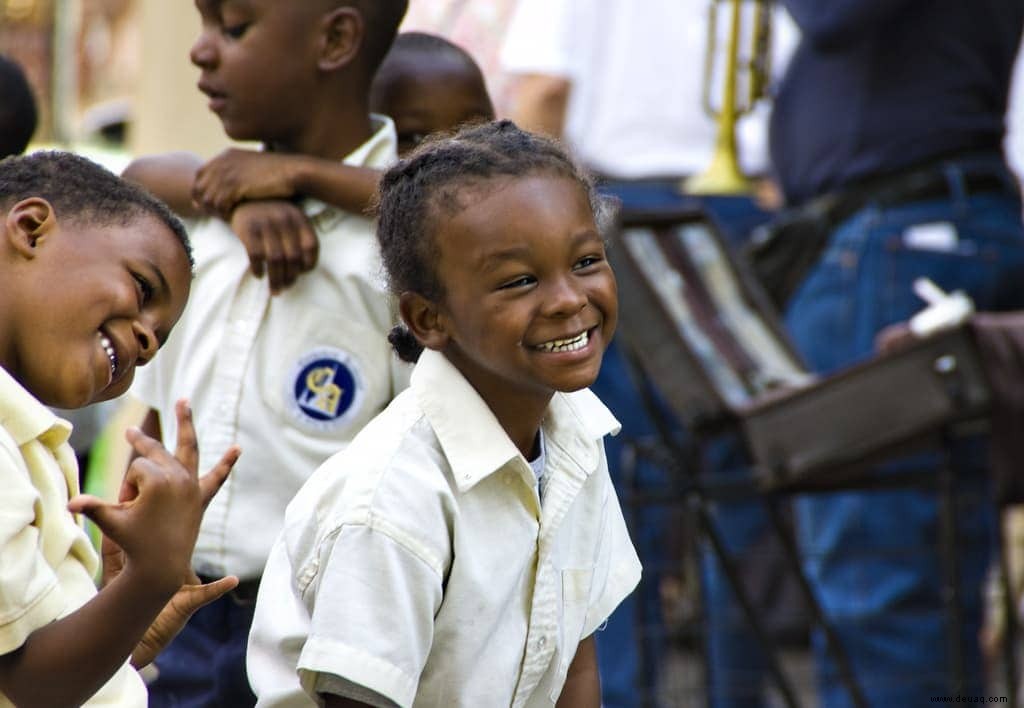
<point>254,191</point>
<point>236,175</point>
<point>155,522</point>
<point>169,176</point>
<point>582,687</point>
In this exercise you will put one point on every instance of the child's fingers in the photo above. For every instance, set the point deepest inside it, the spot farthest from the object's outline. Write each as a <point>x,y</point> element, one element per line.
<point>105,515</point>
<point>187,449</point>
<point>192,597</point>
<point>309,244</point>
<point>144,445</point>
<point>213,480</point>
<point>274,260</point>
<point>288,234</point>
<point>112,559</point>
<point>84,503</point>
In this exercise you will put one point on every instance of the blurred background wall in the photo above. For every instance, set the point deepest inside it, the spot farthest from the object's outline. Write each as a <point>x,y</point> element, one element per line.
<point>111,75</point>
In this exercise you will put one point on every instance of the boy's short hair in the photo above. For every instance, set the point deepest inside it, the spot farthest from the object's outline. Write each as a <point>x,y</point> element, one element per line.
<point>381,19</point>
<point>18,114</point>
<point>82,191</point>
<point>409,45</point>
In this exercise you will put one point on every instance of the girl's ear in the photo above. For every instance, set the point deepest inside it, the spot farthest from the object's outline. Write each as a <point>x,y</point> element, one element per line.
<point>341,37</point>
<point>28,224</point>
<point>422,318</point>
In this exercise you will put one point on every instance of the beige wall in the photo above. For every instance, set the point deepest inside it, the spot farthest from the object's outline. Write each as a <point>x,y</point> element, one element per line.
<point>169,111</point>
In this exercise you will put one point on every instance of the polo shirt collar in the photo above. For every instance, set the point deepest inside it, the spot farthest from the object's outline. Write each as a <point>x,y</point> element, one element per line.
<point>25,418</point>
<point>473,440</point>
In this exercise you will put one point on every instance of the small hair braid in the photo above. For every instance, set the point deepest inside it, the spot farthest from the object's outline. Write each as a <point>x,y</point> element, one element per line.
<point>423,189</point>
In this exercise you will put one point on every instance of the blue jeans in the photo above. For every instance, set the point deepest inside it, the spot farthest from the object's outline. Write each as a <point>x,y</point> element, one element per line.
<point>204,666</point>
<point>873,556</point>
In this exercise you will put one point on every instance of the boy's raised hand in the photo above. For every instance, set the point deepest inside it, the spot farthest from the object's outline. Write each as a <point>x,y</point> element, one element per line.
<point>237,175</point>
<point>278,238</point>
<point>152,529</point>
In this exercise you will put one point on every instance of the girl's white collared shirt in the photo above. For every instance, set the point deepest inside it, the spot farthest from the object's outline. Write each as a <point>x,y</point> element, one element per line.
<point>421,564</point>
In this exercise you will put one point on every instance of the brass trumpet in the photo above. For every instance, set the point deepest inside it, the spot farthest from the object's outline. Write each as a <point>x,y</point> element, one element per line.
<point>723,174</point>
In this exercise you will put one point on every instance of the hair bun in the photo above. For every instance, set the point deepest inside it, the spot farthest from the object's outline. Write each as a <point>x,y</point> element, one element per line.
<point>405,344</point>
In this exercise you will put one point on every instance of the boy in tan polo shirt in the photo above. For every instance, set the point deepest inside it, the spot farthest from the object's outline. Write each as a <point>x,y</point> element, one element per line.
<point>95,274</point>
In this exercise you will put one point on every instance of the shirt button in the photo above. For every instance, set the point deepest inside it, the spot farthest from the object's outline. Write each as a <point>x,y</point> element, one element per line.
<point>542,642</point>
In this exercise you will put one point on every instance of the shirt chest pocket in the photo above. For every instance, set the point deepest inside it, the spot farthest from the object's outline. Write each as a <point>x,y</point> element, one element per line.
<point>577,557</point>
<point>576,587</point>
<point>324,374</point>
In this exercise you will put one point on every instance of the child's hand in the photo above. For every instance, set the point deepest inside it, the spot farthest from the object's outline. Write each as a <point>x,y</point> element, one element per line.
<point>237,175</point>
<point>153,526</point>
<point>278,238</point>
<point>189,598</point>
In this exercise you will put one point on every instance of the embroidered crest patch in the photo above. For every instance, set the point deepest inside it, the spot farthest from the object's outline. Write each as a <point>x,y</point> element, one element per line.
<point>325,389</point>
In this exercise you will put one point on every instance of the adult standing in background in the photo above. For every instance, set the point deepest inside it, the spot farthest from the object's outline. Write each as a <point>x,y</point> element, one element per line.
<point>895,109</point>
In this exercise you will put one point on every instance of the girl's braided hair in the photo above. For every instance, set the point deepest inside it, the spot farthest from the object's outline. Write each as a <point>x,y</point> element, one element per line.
<point>426,186</point>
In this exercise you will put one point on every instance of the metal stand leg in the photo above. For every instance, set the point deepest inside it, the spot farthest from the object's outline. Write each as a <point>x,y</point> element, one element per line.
<point>835,647</point>
<point>686,467</point>
<point>708,527</point>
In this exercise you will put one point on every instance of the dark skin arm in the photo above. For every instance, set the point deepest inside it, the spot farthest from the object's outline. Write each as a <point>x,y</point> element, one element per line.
<point>170,177</point>
<point>540,103</point>
<point>156,523</point>
<point>583,682</point>
<point>189,597</point>
<point>254,192</point>
<point>237,175</point>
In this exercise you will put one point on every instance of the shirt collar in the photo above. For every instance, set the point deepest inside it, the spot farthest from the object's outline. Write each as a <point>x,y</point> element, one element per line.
<point>470,436</point>
<point>25,418</point>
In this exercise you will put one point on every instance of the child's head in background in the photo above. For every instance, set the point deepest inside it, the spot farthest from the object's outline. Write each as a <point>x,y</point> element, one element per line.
<point>428,85</point>
<point>18,114</point>
<point>492,241</point>
<point>96,272</point>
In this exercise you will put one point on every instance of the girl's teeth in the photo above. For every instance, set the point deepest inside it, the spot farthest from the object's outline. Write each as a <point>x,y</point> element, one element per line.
<point>108,347</point>
<point>565,345</point>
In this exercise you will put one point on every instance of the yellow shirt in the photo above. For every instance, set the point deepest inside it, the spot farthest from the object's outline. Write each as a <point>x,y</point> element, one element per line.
<point>47,564</point>
<point>421,563</point>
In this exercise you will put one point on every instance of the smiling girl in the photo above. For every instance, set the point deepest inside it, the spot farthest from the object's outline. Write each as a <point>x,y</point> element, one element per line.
<point>467,545</point>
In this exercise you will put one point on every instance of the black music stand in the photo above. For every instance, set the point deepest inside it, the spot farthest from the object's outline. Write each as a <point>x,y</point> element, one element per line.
<point>695,320</point>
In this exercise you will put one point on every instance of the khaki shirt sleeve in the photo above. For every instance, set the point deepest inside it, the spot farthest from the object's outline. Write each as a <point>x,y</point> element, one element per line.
<point>29,596</point>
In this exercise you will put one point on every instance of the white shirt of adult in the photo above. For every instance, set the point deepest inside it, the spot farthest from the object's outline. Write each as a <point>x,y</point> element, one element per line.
<point>636,72</point>
<point>290,378</point>
<point>420,563</point>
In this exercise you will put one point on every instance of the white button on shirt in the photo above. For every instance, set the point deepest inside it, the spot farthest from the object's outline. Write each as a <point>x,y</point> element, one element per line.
<point>290,378</point>
<point>410,567</point>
